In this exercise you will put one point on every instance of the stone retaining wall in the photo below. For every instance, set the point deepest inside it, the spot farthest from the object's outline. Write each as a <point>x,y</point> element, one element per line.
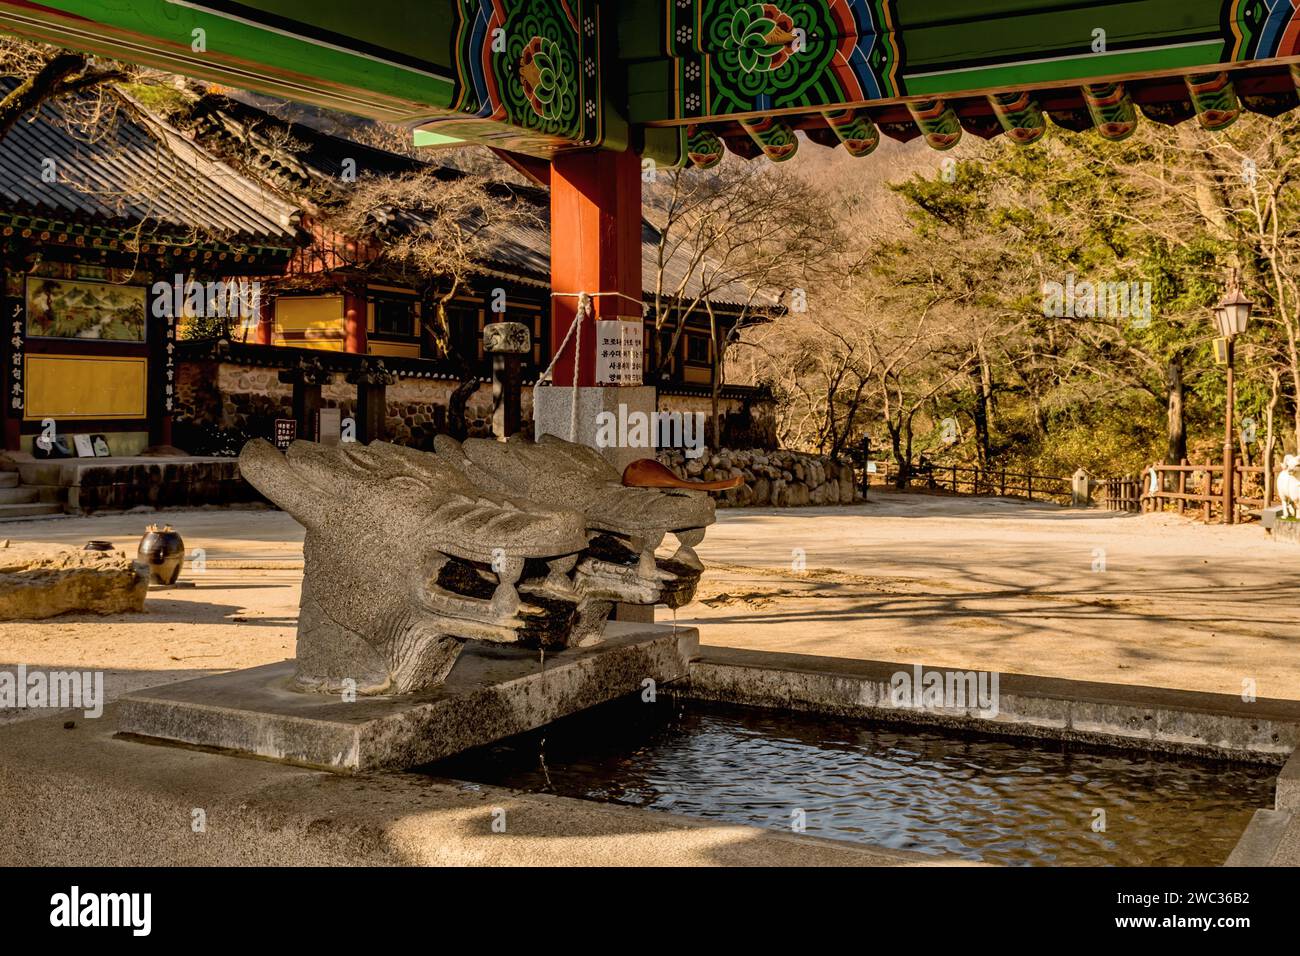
<point>182,484</point>
<point>743,424</point>
<point>248,399</point>
<point>780,479</point>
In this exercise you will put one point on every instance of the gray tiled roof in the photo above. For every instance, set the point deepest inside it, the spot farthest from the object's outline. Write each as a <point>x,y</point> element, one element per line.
<point>135,171</point>
<point>520,251</point>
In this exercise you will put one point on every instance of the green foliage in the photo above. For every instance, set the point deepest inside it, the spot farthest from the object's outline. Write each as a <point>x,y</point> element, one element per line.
<point>163,99</point>
<point>201,327</point>
<point>976,251</point>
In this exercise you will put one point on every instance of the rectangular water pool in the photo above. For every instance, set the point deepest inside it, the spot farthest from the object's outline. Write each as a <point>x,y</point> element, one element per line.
<point>998,800</point>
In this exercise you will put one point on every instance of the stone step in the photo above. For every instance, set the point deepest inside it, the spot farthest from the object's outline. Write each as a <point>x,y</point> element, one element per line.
<point>50,494</point>
<point>8,479</point>
<point>18,495</point>
<point>41,472</point>
<point>19,512</point>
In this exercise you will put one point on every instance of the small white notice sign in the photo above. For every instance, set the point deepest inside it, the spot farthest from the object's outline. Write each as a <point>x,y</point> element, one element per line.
<point>619,359</point>
<point>329,426</point>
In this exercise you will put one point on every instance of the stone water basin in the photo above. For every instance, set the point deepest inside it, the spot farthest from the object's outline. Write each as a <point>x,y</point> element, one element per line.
<point>996,800</point>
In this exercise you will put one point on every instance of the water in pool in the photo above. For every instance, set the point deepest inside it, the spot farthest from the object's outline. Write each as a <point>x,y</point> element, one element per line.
<point>981,798</point>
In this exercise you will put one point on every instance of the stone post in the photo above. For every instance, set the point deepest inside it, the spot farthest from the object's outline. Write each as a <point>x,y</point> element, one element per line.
<point>372,381</point>
<point>1080,490</point>
<point>506,342</point>
<point>306,379</point>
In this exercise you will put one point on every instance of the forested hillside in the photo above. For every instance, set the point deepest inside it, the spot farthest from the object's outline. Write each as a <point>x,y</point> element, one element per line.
<point>1047,306</point>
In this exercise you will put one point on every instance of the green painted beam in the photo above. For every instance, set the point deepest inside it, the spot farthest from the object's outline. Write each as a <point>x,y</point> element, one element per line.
<point>432,140</point>
<point>712,60</point>
<point>542,76</point>
<point>520,74</point>
<point>296,51</point>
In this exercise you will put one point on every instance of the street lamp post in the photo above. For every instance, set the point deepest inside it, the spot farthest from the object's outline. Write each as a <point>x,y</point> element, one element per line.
<point>1231,316</point>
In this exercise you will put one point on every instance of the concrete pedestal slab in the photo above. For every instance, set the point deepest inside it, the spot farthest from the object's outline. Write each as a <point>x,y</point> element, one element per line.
<point>553,415</point>
<point>1287,531</point>
<point>493,692</point>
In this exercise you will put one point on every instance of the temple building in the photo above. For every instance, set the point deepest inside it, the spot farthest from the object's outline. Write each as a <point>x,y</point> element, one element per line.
<point>112,245</point>
<point>90,224</point>
<point>336,299</point>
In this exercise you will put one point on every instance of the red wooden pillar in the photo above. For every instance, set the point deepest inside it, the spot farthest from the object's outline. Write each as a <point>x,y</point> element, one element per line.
<point>595,247</point>
<point>354,321</point>
<point>264,333</point>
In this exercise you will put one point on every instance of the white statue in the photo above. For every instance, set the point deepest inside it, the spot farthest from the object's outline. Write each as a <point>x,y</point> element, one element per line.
<point>1288,486</point>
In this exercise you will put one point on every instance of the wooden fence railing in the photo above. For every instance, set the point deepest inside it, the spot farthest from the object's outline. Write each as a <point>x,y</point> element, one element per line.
<point>1182,487</point>
<point>1198,487</point>
<point>972,480</point>
<point>1122,494</point>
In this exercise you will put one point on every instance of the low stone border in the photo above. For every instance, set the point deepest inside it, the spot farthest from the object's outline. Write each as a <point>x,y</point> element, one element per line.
<point>1288,531</point>
<point>776,478</point>
<point>79,796</point>
<point>1217,726</point>
<point>1267,831</point>
<point>158,484</point>
<point>1197,724</point>
<point>1288,784</point>
<point>1262,839</point>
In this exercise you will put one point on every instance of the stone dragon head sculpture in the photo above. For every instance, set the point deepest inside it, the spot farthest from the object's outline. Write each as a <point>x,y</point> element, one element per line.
<point>410,554</point>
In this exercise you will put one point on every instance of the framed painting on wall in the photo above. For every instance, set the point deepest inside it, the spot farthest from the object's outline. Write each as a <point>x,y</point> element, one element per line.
<point>68,309</point>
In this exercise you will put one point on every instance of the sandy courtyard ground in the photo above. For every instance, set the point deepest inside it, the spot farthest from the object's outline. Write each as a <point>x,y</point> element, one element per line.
<point>975,583</point>
<point>240,611</point>
<point>1008,586</point>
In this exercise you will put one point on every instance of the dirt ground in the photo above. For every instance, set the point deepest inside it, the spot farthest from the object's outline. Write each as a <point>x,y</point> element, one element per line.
<point>1003,585</point>
<point>977,583</point>
<point>239,611</point>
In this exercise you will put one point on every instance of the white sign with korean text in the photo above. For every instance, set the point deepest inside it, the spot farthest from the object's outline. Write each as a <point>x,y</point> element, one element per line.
<point>619,359</point>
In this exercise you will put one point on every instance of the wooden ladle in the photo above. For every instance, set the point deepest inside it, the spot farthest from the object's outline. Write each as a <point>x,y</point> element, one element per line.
<point>648,473</point>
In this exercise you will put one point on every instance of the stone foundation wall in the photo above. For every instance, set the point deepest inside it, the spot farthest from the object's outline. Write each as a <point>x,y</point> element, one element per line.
<point>155,484</point>
<point>752,426</point>
<point>248,400</point>
<point>780,479</point>
<point>244,399</point>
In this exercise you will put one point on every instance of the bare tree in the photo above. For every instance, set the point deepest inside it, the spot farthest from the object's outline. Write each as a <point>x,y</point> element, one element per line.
<point>431,229</point>
<point>46,73</point>
<point>749,234</point>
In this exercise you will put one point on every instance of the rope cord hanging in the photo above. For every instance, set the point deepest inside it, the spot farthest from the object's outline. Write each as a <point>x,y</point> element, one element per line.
<point>583,311</point>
